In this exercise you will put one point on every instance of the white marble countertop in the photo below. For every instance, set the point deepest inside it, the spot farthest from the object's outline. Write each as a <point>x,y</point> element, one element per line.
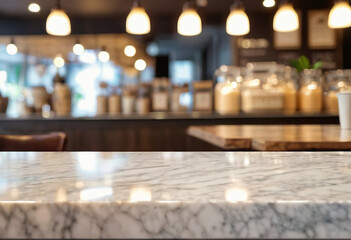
<point>175,195</point>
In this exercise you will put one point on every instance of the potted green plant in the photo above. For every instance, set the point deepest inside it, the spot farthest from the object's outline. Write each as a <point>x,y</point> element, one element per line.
<point>303,63</point>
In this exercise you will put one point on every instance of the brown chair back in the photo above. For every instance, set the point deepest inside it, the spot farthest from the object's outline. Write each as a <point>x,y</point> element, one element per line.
<point>54,141</point>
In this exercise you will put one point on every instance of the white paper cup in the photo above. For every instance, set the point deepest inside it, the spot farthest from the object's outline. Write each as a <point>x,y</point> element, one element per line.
<point>344,100</point>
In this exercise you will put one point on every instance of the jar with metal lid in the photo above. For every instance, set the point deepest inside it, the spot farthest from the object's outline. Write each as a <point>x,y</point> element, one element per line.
<point>227,90</point>
<point>160,95</point>
<point>310,93</point>
<point>336,81</point>
<point>261,88</point>
<point>203,95</point>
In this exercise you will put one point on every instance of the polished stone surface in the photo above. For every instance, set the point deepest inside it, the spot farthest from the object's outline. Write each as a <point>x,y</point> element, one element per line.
<point>175,195</point>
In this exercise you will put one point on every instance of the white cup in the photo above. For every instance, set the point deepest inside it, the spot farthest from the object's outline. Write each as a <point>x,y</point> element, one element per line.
<point>344,100</point>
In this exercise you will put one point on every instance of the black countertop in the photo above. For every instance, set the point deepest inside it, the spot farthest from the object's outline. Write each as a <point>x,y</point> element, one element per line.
<point>168,116</point>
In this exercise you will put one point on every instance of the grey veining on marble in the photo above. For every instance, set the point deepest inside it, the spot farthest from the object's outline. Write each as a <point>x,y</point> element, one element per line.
<point>175,195</point>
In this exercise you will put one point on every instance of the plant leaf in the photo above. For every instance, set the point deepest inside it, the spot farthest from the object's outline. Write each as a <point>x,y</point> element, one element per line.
<point>305,62</point>
<point>318,65</point>
<point>295,64</point>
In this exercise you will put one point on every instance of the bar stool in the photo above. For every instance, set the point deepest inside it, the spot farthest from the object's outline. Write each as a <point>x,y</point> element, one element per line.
<point>54,141</point>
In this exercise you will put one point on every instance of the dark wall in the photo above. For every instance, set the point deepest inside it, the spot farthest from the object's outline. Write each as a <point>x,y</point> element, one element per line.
<point>261,27</point>
<point>217,51</point>
<point>347,48</point>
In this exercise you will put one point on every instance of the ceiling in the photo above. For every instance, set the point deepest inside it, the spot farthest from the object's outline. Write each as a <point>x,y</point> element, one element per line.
<point>121,7</point>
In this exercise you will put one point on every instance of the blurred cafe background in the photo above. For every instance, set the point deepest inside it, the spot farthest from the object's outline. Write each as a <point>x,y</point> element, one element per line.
<point>106,70</point>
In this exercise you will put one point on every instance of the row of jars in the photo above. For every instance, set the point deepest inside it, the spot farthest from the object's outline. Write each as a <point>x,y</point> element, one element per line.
<point>60,100</point>
<point>159,96</point>
<point>269,87</point>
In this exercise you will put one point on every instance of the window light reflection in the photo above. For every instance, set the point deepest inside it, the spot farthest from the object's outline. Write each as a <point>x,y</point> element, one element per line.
<point>236,194</point>
<point>61,195</point>
<point>95,193</point>
<point>87,161</point>
<point>140,194</point>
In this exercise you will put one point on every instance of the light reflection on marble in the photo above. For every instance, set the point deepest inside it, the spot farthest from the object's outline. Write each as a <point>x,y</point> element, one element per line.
<point>175,195</point>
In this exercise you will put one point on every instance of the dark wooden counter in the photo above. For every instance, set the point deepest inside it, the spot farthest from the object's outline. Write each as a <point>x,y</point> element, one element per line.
<point>151,132</point>
<point>274,137</point>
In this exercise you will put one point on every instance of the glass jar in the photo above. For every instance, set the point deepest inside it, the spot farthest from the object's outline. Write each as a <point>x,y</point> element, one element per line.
<point>310,93</point>
<point>289,87</point>
<point>261,89</point>
<point>227,90</point>
<point>61,99</point>
<point>336,81</point>
<point>114,101</point>
<point>202,93</point>
<point>179,95</point>
<point>143,102</point>
<point>101,99</point>
<point>129,99</point>
<point>160,95</point>
<point>40,97</point>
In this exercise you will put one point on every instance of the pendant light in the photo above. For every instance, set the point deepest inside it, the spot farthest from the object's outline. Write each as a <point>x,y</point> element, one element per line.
<point>286,18</point>
<point>189,22</point>
<point>238,23</point>
<point>268,3</point>
<point>58,23</point>
<point>138,22</point>
<point>34,7</point>
<point>11,48</point>
<point>78,48</point>
<point>103,55</point>
<point>59,62</point>
<point>130,51</point>
<point>340,15</point>
<point>140,65</point>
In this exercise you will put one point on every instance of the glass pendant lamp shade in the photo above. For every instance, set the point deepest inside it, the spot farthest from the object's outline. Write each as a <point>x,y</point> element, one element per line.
<point>238,23</point>
<point>286,19</point>
<point>59,62</point>
<point>138,22</point>
<point>140,64</point>
<point>268,3</point>
<point>78,48</point>
<point>130,51</point>
<point>58,23</point>
<point>189,22</point>
<point>11,49</point>
<point>103,55</point>
<point>340,15</point>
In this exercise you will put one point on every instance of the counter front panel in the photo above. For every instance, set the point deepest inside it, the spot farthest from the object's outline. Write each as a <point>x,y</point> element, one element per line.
<point>175,195</point>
